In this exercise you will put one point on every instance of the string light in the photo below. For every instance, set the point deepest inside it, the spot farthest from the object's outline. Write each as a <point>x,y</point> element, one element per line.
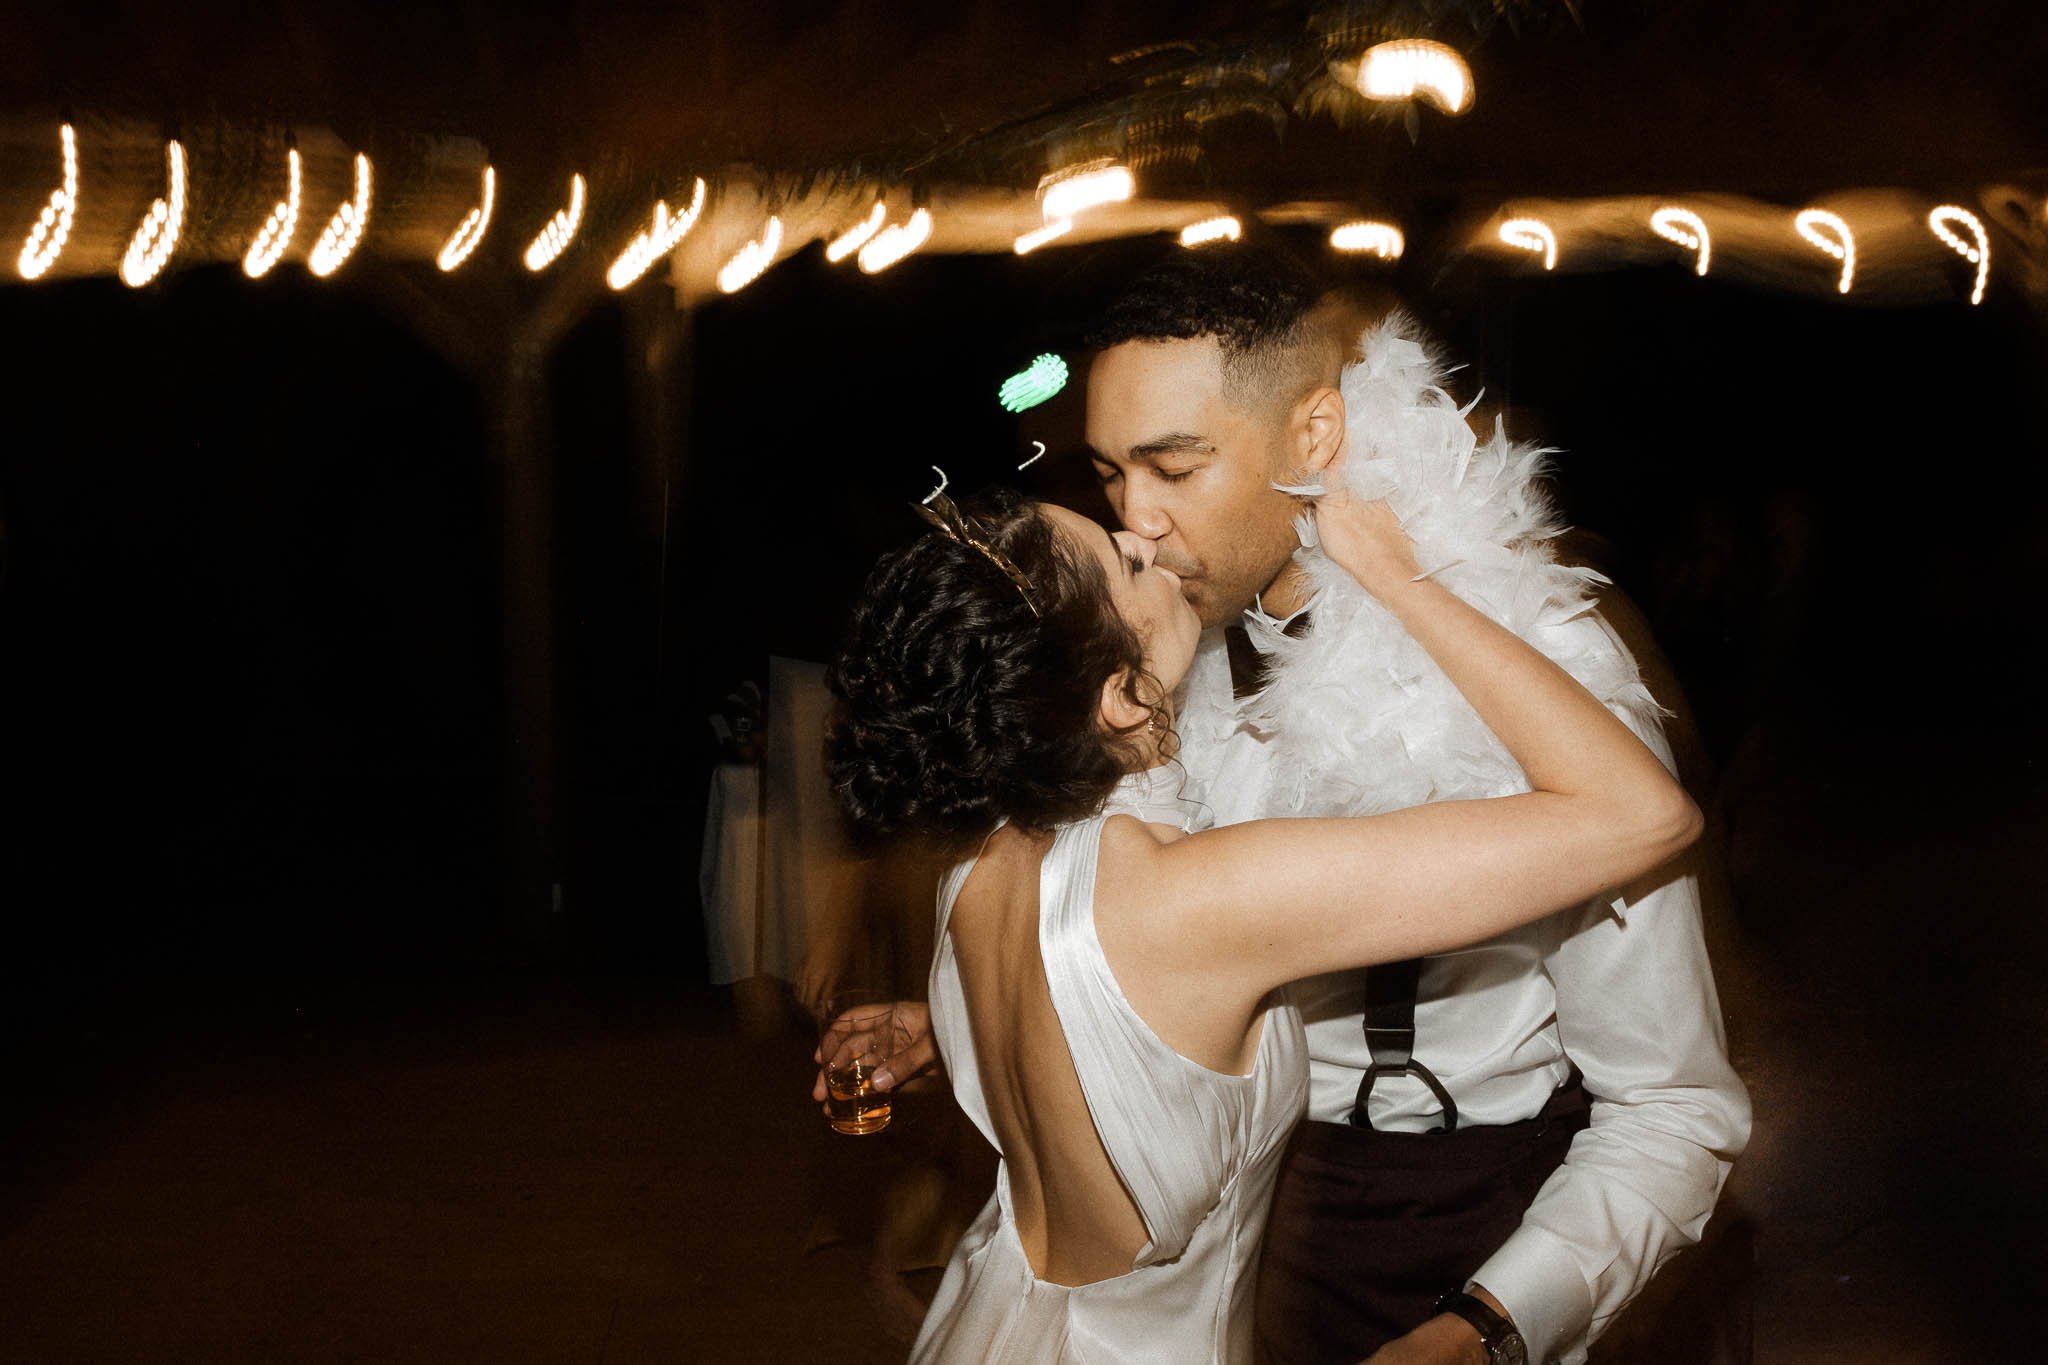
<point>879,244</point>
<point>1381,239</point>
<point>753,258</point>
<point>1045,376</point>
<point>345,229</point>
<point>157,235</point>
<point>1815,225</point>
<point>660,238</point>
<point>1531,234</point>
<point>1686,229</point>
<point>1412,67</point>
<point>472,228</point>
<point>896,241</point>
<point>1038,237</point>
<point>1977,252</point>
<point>850,241</point>
<point>1223,229</point>
<point>1068,192</point>
<point>560,230</point>
<point>278,228</point>
<point>46,239</point>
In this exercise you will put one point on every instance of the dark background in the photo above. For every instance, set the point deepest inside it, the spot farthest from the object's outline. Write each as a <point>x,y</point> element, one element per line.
<point>356,652</point>
<point>254,704</point>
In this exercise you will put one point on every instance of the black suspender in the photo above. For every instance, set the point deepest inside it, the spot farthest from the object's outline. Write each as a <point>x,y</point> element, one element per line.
<point>1390,1036</point>
<point>1389,987</point>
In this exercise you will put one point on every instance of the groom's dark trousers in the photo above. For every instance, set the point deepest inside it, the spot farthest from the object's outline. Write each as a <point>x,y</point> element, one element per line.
<point>1369,1228</point>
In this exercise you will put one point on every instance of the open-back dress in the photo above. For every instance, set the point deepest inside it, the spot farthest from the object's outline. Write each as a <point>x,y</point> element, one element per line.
<point>1197,1149</point>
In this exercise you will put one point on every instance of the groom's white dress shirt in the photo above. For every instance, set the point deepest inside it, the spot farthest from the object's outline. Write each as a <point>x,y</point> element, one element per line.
<point>1621,989</point>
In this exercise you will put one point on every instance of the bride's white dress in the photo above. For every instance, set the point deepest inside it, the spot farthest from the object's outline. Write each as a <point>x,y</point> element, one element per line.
<point>1197,1149</point>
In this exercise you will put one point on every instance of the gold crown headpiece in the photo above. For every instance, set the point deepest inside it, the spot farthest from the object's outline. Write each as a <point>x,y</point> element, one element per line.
<point>940,511</point>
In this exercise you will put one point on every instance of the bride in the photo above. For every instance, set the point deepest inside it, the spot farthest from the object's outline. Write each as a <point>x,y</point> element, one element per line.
<point>1105,990</point>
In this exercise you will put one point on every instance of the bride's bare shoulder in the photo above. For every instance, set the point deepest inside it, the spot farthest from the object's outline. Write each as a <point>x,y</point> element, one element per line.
<point>1130,836</point>
<point>1134,853</point>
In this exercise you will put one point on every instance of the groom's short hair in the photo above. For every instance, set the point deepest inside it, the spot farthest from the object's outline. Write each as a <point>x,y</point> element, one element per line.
<point>1262,307</point>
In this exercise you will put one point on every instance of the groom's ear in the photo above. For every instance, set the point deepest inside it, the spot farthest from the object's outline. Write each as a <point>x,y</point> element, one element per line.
<point>1318,428</point>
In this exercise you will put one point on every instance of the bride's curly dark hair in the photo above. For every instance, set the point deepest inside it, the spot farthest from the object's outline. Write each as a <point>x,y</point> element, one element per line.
<point>955,706</point>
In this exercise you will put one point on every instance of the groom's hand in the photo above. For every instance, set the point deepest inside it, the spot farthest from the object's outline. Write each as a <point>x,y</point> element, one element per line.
<point>1445,1339</point>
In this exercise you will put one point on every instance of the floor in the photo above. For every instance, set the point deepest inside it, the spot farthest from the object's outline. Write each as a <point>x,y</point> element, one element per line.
<point>621,1168</point>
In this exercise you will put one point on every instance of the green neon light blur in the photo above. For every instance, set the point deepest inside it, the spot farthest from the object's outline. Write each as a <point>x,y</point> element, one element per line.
<point>1033,384</point>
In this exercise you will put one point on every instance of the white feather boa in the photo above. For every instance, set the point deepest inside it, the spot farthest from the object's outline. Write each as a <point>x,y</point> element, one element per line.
<point>1356,718</point>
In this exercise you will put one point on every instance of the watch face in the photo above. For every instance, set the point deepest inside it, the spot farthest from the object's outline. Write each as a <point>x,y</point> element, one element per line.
<point>1511,1350</point>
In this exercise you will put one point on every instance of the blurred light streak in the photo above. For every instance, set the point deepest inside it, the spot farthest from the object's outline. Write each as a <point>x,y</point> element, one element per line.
<point>338,240</point>
<point>1684,228</point>
<point>1223,229</point>
<point>1977,251</point>
<point>551,240</point>
<point>1038,237</point>
<point>1828,232</point>
<point>1531,234</point>
<point>1379,239</point>
<point>753,258</point>
<point>896,241</point>
<point>850,241</point>
<point>157,235</point>
<point>46,239</point>
<point>472,228</point>
<point>276,234</point>
<point>1410,67</point>
<point>657,240</point>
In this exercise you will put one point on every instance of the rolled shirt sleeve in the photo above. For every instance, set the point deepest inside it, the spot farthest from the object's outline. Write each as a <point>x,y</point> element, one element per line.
<point>1638,1014</point>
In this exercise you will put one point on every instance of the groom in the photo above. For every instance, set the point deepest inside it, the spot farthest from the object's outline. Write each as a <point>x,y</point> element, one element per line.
<point>1503,1144</point>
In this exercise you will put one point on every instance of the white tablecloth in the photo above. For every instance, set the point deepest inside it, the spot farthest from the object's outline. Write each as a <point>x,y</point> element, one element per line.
<point>776,873</point>
<point>729,875</point>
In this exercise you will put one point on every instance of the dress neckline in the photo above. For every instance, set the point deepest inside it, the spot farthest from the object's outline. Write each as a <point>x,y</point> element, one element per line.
<point>1155,796</point>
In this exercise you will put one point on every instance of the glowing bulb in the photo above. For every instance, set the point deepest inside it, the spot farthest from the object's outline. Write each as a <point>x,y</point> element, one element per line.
<point>277,230</point>
<point>1038,237</point>
<point>1381,239</point>
<point>46,238</point>
<point>157,236</point>
<point>896,241</point>
<point>660,238</point>
<point>1684,228</point>
<point>850,241</point>
<point>1531,234</point>
<point>472,228</point>
<point>1045,376</point>
<point>560,229</point>
<point>753,258</point>
<point>1977,251</point>
<point>1083,187</point>
<point>345,229</point>
<point>1828,232</point>
<point>1223,229</point>
<point>1416,67</point>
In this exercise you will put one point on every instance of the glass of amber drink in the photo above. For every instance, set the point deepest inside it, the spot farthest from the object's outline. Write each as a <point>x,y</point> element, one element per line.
<point>856,1034</point>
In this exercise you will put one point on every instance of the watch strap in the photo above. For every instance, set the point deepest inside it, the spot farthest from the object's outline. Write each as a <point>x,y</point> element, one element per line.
<point>1496,1333</point>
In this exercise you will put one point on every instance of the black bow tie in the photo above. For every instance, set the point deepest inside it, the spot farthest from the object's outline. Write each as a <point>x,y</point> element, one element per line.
<point>1248,667</point>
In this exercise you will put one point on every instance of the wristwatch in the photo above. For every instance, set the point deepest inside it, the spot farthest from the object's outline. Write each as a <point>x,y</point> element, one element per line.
<point>1504,1345</point>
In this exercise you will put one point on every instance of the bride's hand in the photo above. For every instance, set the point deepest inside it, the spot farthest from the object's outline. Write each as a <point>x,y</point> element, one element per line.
<point>1364,537</point>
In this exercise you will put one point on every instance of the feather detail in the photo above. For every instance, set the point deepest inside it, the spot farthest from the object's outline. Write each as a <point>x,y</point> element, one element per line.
<point>1356,717</point>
